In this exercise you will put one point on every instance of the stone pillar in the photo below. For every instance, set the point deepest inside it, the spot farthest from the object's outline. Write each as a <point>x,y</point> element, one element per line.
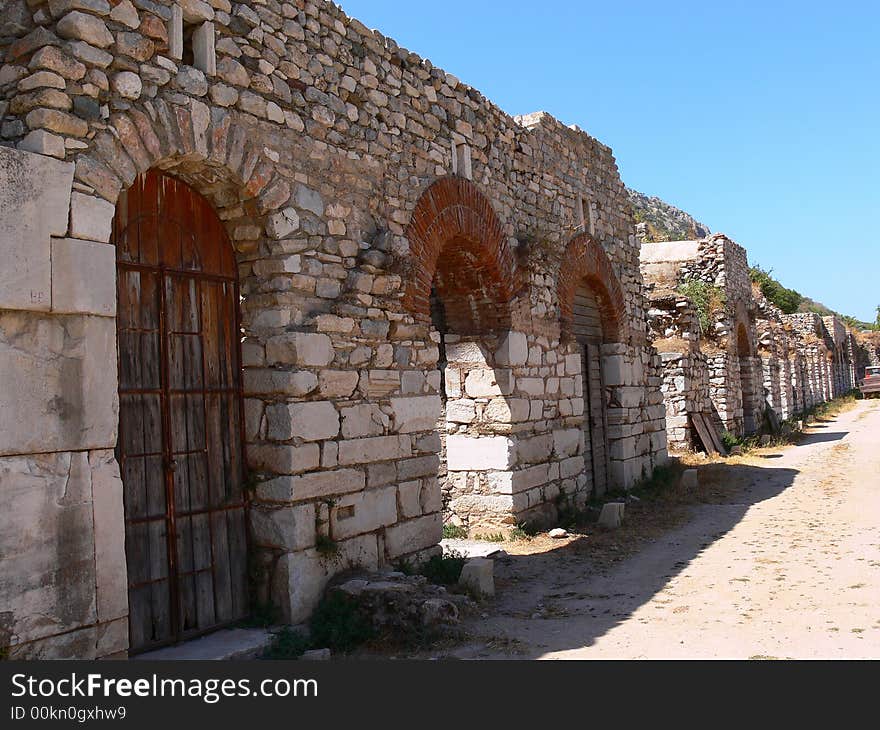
<point>63,582</point>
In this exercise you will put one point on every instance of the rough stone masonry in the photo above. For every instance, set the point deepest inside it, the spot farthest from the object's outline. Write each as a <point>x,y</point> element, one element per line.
<point>440,307</point>
<point>745,355</point>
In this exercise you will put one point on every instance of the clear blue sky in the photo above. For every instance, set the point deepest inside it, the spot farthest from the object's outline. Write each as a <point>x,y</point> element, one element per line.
<point>760,119</point>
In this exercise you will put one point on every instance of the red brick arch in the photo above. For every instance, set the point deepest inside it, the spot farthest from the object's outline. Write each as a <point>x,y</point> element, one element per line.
<point>475,276</point>
<point>586,261</point>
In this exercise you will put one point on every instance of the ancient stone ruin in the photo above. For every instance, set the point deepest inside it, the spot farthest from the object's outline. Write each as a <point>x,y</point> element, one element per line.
<point>278,298</point>
<point>728,353</point>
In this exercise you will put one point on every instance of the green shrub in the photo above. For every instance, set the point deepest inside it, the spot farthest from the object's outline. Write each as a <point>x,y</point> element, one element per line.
<point>454,532</point>
<point>287,644</point>
<point>707,299</point>
<point>338,624</point>
<point>444,569</point>
<point>788,300</point>
<point>729,440</point>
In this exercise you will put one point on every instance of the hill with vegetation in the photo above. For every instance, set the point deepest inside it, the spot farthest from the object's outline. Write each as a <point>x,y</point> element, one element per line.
<point>664,222</point>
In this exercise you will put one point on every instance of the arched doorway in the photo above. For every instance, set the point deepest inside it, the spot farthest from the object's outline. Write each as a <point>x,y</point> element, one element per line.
<point>591,317</point>
<point>461,287</point>
<point>588,332</point>
<point>180,443</point>
<point>746,378</point>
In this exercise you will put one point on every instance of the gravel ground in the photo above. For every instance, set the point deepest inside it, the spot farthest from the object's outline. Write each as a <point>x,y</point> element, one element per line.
<point>777,555</point>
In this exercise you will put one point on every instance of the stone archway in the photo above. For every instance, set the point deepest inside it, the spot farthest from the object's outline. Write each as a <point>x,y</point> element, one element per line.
<point>747,378</point>
<point>462,283</point>
<point>236,197</point>
<point>592,314</point>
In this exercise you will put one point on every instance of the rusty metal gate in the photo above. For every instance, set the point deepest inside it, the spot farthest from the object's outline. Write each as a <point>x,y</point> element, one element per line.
<point>180,437</point>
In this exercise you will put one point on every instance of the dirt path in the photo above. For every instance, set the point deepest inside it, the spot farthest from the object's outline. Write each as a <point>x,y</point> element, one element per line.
<point>788,568</point>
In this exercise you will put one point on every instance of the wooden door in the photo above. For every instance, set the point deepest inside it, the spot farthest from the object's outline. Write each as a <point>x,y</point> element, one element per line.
<point>595,417</point>
<point>589,332</point>
<point>179,444</point>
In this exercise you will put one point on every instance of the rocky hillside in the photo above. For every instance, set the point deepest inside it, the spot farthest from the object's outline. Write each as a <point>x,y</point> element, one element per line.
<point>659,221</point>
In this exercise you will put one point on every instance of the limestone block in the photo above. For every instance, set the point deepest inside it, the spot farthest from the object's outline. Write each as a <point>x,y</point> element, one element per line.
<point>111,573</point>
<point>514,349</point>
<point>531,386</point>
<point>478,577</point>
<point>379,383</point>
<point>112,639</point>
<point>690,479</point>
<point>47,542</point>
<point>338,383</point>
<point>616,370</point>
<point>535,449</point>
<point>284,458</point>
<point>34,205</point>
<point>418,413</point>
<point>300,348</point>
<point>363,420</point>
<point>611,515</point>
<point>507,410</point>
<point>409,499</point>
<point>356,514</point>
<point>411,536</point>
<point>484,383</point>
<point>368,450</point>
<point>83,277</point>
<point>479,453</point>
<point>462,410</point>
<point>469,353</point>
<point>300,577</point>
<point>204,54</point>
<point>310,486</point>
<point>419,467</point>
<point>91,218</point>
<point>567,442</point>
<point>314,421</point>
<point>58,390</point>
<point>260,381</point>
<point>288,528</point>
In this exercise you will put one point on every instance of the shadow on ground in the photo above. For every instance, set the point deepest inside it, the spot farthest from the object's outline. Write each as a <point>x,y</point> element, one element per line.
<point>562,598</point>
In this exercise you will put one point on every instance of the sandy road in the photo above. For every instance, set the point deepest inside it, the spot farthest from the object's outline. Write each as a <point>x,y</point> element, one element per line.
<point>790,569</point>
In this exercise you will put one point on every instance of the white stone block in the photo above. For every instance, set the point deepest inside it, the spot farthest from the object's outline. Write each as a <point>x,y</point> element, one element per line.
<point>300,348</point>
<point>34,206</point>
<point>83,277</point>
<point>91,218</point>
<point>369,450</point>
<point>204,55</point>
<point>419,413</point>
<point>486,383</point>
<point>111,574</point>
<point>567,442</point>
<point>59,388</point>
<point>361,512</point>
<point>409,537</point>
<point>611,515</point>
<point>514,350</point>
<point>314,421</point>
<point>478,577</point>
<point>311,486</point>
<point>690,479</point>
<point>479,453</point>
<point>300,578</point>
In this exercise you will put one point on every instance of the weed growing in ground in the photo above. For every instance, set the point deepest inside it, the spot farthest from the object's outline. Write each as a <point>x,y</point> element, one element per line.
<point>338,624</point>
<point>288,643</point>
<point>454,532</point>
<point>491,537</point>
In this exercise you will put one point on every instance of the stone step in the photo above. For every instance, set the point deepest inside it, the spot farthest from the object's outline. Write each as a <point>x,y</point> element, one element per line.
<point>224,645</point>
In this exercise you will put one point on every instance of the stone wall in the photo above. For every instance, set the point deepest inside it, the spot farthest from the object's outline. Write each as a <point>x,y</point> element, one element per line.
<point>727,361</point>
<point>341,165</point>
